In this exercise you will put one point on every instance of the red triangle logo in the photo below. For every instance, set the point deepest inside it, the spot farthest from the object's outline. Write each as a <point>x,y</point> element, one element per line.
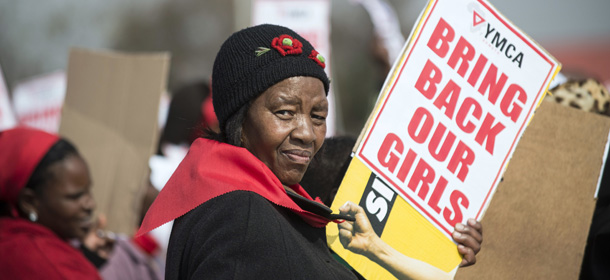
<point>476,19</point>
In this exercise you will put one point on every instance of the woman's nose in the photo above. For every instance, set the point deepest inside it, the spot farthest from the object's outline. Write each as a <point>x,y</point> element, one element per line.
<point>304,130</point>
<point>89,203</point>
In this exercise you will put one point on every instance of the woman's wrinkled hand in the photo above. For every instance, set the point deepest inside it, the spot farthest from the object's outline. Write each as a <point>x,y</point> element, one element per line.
<point>360,238</point>
<point>469,237</point>
<point>357,236</point>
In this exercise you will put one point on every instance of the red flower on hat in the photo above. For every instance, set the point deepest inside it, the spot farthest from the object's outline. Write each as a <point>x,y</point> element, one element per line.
<point>287,45</point>
<point>318,58</point>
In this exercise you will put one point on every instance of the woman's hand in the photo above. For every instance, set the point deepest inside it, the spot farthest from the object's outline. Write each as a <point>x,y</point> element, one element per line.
<point>469,237</point>
<point>357,236</point>
<point>360,238</point>
<point>98,240</point>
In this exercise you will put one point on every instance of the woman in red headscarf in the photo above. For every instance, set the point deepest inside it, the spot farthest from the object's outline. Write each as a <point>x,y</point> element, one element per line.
<point>45,201</point>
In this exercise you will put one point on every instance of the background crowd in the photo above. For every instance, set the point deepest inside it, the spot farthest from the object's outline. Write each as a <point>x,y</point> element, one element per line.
<point>36,38</point>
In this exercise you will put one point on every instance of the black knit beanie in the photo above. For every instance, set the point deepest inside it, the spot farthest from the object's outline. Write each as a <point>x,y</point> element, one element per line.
<point>252,60</point>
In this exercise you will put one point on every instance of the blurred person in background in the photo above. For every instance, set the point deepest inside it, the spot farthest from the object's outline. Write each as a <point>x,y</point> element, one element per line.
<point>323,176</point>
<point>45,202</point>
<point>188,115</point>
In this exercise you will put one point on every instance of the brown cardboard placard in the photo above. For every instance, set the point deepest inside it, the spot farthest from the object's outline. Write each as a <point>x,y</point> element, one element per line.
<point>537,224</point>
<point>110,114</point>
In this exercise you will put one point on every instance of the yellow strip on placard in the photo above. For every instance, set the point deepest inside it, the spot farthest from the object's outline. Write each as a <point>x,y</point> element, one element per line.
<point>356,178</point>
<point>406,230</point>
<point>546,90</point>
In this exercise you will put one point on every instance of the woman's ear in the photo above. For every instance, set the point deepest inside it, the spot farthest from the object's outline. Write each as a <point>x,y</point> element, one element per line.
<point>27,201</point>
<point>242,139</point>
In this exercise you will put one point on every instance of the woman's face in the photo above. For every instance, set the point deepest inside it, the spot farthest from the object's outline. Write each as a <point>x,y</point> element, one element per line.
<point>286,125</point>
<point>65,204</point>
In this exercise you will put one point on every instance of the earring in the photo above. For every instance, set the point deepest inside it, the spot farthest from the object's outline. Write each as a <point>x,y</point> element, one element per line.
<point>33,216</point>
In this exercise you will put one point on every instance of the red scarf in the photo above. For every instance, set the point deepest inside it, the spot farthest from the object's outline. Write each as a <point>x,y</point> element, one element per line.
<point>31,251</point>
<point>21,149</point>
<point>211,169</point>
<point>147,243</point>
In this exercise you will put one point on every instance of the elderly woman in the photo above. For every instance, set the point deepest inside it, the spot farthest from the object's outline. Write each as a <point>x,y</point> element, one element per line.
<point>45,201</point>
<point>241,213</point>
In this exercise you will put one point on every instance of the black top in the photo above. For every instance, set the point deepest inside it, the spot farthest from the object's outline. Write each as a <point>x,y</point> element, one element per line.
<point>241,235</point>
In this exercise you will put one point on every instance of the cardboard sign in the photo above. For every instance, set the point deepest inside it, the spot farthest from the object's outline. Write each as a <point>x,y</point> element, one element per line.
<point>308,18</point>
<point>7,118</point>
<point>544,204</point>
<point>38,101</point>
<point>110,114</point>
<point>444,128</point>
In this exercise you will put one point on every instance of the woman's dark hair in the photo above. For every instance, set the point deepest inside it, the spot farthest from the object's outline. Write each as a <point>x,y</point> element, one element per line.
<point>41,175</point>
<point>231,134</point>
<point>184,121</point>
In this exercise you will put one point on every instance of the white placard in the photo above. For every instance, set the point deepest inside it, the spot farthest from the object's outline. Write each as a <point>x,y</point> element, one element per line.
<point>454,109</point>
<point>38,101</point>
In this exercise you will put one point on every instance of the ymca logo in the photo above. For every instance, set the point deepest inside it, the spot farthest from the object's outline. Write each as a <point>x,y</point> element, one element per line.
<point>493,36</point>
<point>478,16</point>
<point>476,19</point>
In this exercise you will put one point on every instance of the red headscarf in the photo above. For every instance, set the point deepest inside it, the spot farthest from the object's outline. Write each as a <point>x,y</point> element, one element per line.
<point>211,169</point>
<point>21,149</point>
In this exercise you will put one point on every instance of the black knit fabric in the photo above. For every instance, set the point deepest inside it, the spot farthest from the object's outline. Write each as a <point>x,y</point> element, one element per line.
<point>241,235</point>
<point>240,75</point>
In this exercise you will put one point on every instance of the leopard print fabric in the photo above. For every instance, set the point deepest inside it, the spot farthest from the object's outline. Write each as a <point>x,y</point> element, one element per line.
<point>587,95</point>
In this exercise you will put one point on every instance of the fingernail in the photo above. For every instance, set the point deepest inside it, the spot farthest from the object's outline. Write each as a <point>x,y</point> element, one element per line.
<point>344,205</point>
<point>472,221</point>
<point>456,234</point>
<point>461,246</point>
<point>460,226</point>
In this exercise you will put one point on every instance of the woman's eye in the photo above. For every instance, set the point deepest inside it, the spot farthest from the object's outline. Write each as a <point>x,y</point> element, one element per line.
<point>75,196</point>
<point>319,117</point>
<point>283,113</point>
